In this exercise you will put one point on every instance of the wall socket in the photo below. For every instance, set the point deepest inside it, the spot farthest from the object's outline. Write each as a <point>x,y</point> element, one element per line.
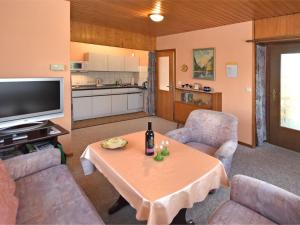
<point>57,67</point>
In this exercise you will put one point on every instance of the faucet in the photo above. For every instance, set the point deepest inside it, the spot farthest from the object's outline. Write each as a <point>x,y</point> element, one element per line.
<point>119,82</point>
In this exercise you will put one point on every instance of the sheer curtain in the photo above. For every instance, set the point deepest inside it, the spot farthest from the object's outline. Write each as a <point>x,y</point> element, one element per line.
<point>151,84</point>
<point>261,129</point>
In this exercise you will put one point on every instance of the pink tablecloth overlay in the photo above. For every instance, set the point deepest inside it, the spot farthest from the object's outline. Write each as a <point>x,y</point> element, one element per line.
<point>157,190</point>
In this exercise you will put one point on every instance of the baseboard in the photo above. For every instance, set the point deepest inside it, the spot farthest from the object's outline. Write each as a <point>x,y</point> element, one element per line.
<point>242,143</point>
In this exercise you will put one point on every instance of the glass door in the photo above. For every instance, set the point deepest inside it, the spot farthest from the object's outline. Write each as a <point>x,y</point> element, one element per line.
<point>284,95</point>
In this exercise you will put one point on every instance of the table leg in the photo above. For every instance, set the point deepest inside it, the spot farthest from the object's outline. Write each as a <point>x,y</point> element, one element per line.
<point>119,204</point>
<point>211,192</point>
<point>180,218</point>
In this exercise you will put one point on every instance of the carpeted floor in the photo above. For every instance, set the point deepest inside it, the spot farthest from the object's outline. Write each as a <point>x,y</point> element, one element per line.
<point>270,163</point>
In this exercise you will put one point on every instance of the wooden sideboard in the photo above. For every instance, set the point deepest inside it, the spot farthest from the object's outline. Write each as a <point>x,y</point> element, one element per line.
<point>187,100</point>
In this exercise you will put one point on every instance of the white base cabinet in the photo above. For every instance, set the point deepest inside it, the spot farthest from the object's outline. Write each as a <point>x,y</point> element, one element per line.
<point>135,101</point>
<point>119,104</point>
<point>101,106</point>
<point>82,108</point>
<point>88,104</point>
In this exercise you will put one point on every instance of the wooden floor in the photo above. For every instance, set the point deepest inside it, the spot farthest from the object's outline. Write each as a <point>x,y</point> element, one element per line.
<point>108,119</point>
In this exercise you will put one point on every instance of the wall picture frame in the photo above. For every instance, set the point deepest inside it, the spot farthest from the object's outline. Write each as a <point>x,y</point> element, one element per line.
<point>204,60</point>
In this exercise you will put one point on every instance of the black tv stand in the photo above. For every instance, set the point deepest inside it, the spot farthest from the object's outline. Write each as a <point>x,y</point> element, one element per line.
<point>17,141</point>
<point>23,128</point>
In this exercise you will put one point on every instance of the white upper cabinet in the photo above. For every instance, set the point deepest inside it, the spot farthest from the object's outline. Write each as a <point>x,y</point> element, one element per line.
<point>132,63</point>
<point>96,62</point>
<point>100,62</point>
<point>116,63</point>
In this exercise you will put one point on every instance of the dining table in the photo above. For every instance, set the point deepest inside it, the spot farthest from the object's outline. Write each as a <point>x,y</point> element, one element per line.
<point>160,191</point>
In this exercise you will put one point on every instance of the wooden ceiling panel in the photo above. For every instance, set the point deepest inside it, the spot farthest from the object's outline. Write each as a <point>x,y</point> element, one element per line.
<point>180,15</point>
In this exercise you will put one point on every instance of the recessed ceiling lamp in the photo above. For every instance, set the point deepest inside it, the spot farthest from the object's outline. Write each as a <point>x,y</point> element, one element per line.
<point>155,17</point>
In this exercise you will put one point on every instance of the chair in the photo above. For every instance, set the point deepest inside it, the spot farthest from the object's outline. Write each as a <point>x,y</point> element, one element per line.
<point>212,132</point>
<point>256,202</point>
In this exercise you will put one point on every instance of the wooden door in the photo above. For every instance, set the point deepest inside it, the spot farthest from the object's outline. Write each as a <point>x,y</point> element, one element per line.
<point>165,83</point>
<point>284,95</point>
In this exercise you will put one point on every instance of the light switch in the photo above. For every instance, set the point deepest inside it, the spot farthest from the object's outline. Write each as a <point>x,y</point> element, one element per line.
<point>57,67</point>
<point>248,89</point>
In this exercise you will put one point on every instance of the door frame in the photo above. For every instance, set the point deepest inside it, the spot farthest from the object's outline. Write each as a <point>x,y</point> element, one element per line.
<point>174,78</point>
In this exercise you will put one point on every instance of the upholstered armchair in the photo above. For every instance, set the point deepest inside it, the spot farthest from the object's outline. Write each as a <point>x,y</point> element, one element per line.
<point>256,202</point>
<point>211,132</point>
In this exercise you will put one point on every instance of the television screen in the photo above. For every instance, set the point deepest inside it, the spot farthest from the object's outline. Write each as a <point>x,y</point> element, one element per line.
<point>19,98</point>
<point>30,98</point>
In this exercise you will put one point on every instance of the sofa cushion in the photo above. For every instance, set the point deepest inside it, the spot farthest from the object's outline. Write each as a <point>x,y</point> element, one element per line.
<point>203,148</point>
<point>52,196</point>
<point>233,213</point>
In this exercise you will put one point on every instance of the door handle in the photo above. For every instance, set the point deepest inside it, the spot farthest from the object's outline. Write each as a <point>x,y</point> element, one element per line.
<point>274,93</point>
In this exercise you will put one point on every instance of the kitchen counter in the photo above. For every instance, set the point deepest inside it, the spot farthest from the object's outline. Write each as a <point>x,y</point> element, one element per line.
<point>94,87</point>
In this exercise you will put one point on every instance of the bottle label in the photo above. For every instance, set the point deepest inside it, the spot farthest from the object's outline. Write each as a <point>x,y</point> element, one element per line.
<point>150,150</point>
<point>150,145</point>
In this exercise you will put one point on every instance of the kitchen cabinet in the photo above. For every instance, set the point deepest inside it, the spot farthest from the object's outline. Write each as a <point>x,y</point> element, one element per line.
<point>95,103</point>
<point>119,104</point>
<point>96,62</point>
<point>101,62</point>
<point>132,64</point>
<point>101,106</point>
<point>116,63</point>
<point>82,108</point>
<point>135,102</point>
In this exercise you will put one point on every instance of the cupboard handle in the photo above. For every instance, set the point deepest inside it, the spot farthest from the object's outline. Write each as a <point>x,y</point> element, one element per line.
<point>274,95</point>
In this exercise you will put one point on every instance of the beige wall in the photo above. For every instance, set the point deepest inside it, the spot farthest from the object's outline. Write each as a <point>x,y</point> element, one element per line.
<point>230,44</point>
<point>35,34</point>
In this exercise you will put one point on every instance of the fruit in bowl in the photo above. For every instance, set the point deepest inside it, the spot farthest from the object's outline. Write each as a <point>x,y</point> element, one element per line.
<point>114,143</point>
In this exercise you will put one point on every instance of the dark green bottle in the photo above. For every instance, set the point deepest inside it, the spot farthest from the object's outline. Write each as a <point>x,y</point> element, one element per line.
<point>149,140</point>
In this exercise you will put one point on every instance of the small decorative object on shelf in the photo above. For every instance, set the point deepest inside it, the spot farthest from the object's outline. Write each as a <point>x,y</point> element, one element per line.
<point>197,86</point>
<point>206,89</point>
<point>186,86</point>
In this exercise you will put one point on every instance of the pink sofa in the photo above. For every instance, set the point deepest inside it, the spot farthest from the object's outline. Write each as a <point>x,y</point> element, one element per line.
<point>42,191</point>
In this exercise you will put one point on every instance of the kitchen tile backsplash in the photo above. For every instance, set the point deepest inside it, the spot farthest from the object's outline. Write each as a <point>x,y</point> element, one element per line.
<point>89,78</point>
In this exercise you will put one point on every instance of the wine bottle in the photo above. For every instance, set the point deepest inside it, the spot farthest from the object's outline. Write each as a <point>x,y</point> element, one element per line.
<point>149,140</point>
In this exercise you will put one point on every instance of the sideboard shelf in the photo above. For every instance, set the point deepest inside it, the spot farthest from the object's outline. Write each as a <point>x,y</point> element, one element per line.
<point>187,100</point>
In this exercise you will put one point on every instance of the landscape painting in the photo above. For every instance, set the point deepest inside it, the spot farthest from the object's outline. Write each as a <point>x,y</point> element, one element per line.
<point>204,63</point>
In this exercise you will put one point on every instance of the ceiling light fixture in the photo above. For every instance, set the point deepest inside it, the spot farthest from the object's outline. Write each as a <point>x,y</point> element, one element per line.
<point>155,17</point>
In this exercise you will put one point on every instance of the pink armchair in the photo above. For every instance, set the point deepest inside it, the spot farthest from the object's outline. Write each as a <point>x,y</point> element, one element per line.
<point>212,132</point>
<point>254,201</point>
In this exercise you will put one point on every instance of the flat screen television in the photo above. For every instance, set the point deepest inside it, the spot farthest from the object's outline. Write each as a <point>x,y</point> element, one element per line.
<point>30,100</point>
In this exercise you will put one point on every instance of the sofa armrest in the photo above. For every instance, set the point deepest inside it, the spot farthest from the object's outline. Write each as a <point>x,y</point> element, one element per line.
<point>276,204</point>
<point>225,154</point>
<point>227,149</point>
<point>182,135</point>
<point>24,165</point>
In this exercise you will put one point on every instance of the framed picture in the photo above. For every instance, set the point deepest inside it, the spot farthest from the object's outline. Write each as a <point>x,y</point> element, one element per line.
<point>204,63</point>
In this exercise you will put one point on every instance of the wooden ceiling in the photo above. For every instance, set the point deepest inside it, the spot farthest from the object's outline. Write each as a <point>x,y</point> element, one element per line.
<point>180,15</point>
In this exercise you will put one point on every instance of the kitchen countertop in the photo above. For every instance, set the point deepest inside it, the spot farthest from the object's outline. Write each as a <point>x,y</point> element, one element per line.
<point>94,87</point>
